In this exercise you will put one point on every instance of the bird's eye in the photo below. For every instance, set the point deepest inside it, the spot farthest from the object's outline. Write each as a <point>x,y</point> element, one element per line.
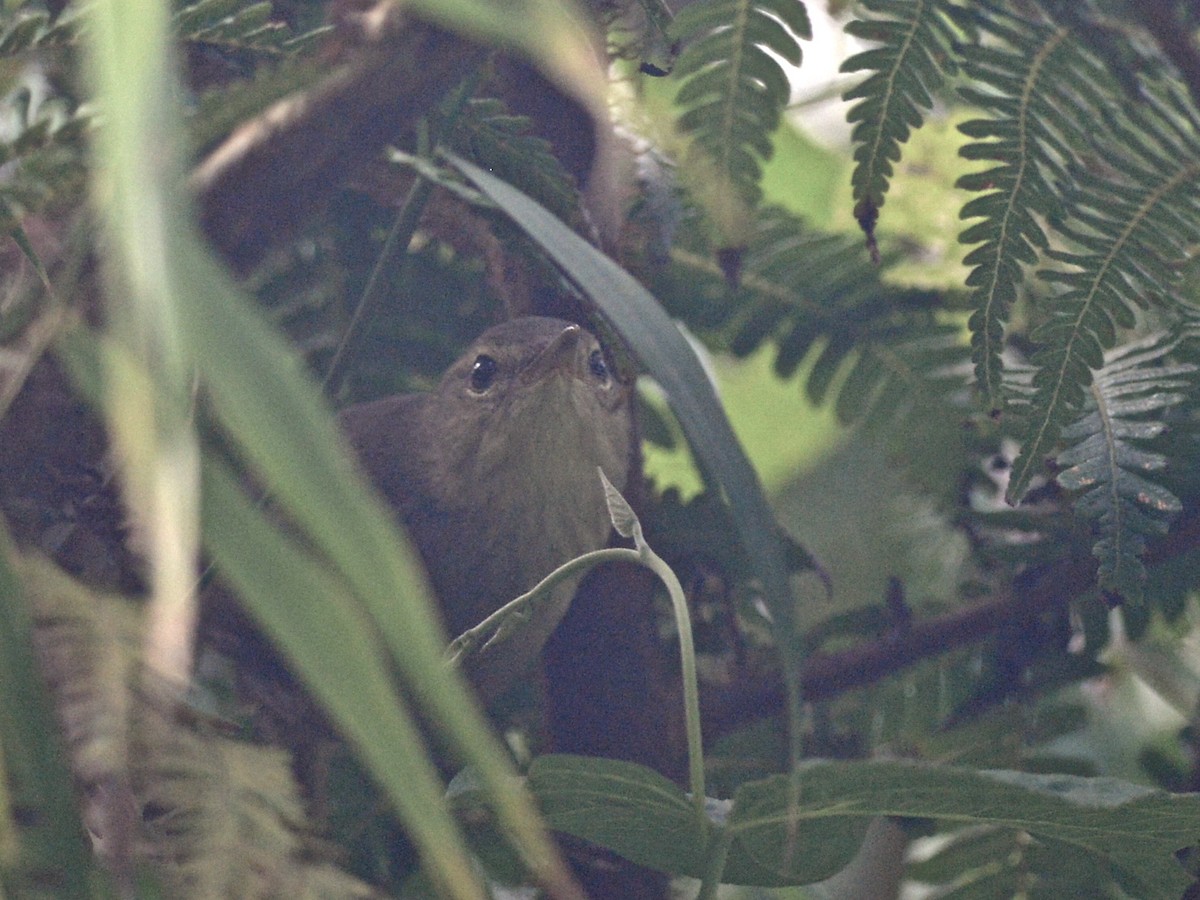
<point>483,373</point>
<point>598,366</point>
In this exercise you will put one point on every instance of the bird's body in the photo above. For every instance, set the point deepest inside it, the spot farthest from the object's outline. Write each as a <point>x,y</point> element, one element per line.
<point>493,474</point>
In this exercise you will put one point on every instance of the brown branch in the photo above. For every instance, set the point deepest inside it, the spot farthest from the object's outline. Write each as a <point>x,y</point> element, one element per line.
<point>826,675</point>
<point>277,171</point>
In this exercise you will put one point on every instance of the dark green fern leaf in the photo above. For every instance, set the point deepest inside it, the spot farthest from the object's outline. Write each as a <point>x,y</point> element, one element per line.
<point>42,136</point>
<point>1128,231</point>
<point>486,133</point>
<point>906,69</point>
<point>1110,461</point>
<point>1040,89</point>
<point>809,292</point>
<point>733,90</point>
<point>45,155</point>
<point>236,27</point>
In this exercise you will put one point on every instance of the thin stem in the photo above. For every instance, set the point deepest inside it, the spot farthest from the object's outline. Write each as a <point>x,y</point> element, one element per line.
<point>492,627</point>
<point>691,687</point>
<point>717,853</point>
<point>486,631</point>
<point>395,248</point>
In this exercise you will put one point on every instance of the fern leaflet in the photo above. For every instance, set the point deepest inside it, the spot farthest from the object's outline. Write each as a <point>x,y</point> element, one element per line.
<point>906,69</point>
<point>1126,231</point>
<point>1041,95</point>
<point>805,291</point>
<point>733,90</point>
<point>1107,463</point>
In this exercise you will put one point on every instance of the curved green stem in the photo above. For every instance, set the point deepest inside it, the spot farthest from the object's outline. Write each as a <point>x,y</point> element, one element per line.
<point>493,626</point>
<point>687,660</point>
<point>479,636</point>
<point>717,853</point>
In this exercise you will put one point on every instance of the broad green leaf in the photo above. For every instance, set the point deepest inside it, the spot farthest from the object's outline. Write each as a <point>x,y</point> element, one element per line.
<point>309,614</point>
<point>625,807</point>
<point>1129,831</point>
<point>182,318</point>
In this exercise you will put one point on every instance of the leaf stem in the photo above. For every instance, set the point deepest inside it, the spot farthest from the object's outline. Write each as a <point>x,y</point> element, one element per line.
<point>394,248</point>
<point>687,661</point>
<point>477,638</point>
<point>716,854</point>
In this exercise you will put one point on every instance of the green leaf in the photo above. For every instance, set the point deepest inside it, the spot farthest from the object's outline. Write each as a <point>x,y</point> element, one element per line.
<point>1116,227</point>
<point>624,519</point>
<point>1036,73</point>
<point>906,70</point>
<point>181,322</point>
<point>1109,462</point>
<point>306,610</point>
<point>811,292</point>
<point>33,765</point>
<point>622,806</point>
<point>1128,831</point>
<point>733,91</point>
<point>489,136</point>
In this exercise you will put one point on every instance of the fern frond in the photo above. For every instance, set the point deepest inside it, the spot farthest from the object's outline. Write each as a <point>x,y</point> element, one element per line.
<point>1128,232</point>
<point>1108,463</point>
<point>803,290</point>
<point>486,133</point>
<point>224,818</point>
<point>1040,89</point>
<point>46,152</point>
<point>29,27</point>
<point>733,91</point>
<point>235,26</point>
<point>906,69</point>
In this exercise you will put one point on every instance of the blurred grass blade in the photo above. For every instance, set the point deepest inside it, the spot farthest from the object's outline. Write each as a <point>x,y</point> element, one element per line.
<point>334,648</point>
<point>33,763</point>
<point>553,33</point>
<point>658,343</point>
<point>176,314</point>
<point>138,158</point>
<point>278,419</point>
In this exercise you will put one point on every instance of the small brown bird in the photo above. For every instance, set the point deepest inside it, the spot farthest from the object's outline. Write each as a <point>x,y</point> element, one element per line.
<point>494,474</point>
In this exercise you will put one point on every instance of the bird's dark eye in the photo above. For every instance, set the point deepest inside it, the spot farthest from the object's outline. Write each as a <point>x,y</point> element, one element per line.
<point>483,373</point>
<point>598,366</point>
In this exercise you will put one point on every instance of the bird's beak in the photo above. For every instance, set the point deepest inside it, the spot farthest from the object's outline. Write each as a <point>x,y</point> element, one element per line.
<point>558,355</point>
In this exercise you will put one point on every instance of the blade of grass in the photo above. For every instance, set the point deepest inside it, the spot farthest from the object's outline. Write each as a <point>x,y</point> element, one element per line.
<point>33,757</point>
<point>175,308</point>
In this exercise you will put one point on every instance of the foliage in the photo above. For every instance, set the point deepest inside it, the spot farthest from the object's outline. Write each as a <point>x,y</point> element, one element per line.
<point>1029,436</point>
<point>732,90</point>
<point>907,69</point>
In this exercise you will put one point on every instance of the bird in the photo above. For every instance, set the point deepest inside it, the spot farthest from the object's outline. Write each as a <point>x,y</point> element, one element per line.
<point>493,474</point>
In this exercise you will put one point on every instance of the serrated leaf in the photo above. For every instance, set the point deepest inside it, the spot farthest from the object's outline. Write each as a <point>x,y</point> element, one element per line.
<point>1036,80</point>
<point>1108,472</point>
<point>624,519</point>
<point>909,67</point>
<point>733,91</point>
